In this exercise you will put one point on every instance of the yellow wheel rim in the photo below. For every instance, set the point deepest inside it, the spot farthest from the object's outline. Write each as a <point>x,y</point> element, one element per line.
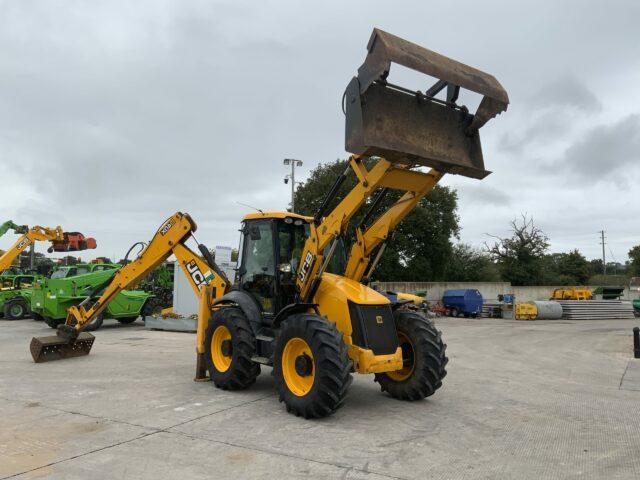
<point>408,357</point>
<point>221,361</point>
<point>298,380</point>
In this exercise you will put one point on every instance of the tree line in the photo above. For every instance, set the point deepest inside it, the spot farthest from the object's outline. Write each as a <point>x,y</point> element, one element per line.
<point>426,247</point>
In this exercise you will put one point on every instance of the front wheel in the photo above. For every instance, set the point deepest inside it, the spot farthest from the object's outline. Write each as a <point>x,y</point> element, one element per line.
<point>95,324</point>
<point>53,322</point>
<point>311,366</point>
<point>424,359</point>
<point>229,345</point>
<point>16,309</point>
<point>127,320</point>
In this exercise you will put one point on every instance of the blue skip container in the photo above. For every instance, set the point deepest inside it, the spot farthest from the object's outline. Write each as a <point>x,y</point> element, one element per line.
<point>467,302</point>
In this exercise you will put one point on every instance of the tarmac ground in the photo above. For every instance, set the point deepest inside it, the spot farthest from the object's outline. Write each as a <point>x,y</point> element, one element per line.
<point>522,400</point>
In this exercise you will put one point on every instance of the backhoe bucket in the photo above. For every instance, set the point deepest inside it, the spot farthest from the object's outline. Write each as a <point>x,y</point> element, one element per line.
<point>54,347</point>
<point>416,128</point>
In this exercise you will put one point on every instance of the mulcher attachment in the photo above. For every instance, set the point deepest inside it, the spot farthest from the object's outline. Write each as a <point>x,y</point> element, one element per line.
<point>54,347</point>
<point>416,128</point>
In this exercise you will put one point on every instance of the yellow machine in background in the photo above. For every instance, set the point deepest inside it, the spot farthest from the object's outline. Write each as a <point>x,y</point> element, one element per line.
<point>571,293</point>
<point>295,306</point>
<point>60,242</point>
<point>28,237</point>
<point>526,311</point>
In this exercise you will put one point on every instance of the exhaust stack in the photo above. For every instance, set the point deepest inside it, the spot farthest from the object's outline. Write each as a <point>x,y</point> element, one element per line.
<point>417,128</point>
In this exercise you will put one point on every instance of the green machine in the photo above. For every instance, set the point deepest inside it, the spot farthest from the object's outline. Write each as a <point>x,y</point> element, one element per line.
<point>73,284</point>
<point>15,295</point>
<point>636,307</point>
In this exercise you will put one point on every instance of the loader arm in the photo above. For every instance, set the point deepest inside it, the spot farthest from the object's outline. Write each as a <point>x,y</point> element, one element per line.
<point>30,236</point>
<point>417,185</point>
<point>326,228</point>
<point>170,238</point>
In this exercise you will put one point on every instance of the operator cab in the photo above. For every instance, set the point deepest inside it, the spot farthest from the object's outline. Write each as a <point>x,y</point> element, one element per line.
<point>270,247</point>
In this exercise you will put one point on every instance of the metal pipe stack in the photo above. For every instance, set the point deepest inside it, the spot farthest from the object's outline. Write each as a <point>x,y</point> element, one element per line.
<point>596,310</point>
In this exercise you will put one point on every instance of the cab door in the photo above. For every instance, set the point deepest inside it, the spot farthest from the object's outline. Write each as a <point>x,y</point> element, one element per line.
<point>257,273</point>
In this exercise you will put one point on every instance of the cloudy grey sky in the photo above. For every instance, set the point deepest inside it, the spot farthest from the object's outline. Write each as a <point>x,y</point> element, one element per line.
<point>115,114</point>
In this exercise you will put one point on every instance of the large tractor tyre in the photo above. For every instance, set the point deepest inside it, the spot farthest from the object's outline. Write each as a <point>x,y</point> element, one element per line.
<point>311,366</point>
<point>127,320</point>
<point>53,322</point>
<point>423,354</point>
<point>229,346</point>
<point>96,324</point>
<point>151,307</point>
<point>16,309</point>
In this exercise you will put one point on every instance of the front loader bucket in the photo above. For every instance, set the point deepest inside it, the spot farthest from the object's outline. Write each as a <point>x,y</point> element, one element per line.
<point>46,349</point>
<point>416,128</point>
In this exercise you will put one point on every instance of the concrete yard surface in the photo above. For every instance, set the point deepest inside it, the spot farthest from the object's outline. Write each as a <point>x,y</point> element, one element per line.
<point>522,400</point>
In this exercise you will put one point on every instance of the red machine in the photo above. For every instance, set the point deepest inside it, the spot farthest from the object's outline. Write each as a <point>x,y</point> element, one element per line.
<point>72,242</point>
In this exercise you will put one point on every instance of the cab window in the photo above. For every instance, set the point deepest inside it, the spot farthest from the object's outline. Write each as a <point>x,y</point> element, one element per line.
<point>258,270</point>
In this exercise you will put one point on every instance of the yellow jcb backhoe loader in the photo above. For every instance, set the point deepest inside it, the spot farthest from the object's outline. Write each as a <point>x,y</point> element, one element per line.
<point>60,242</point>
<point>292,308</point>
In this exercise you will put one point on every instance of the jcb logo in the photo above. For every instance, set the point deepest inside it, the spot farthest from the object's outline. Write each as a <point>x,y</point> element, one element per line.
<point>306,265</point>
<point>166,227</point>
<point>23,244</point>
<point>197,276</point>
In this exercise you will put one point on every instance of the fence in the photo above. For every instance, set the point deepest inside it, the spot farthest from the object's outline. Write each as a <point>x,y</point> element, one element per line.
<point>489,290</point>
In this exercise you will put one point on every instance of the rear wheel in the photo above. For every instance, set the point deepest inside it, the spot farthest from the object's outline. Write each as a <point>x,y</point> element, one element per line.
<point>96,324</point>
<point>424,359</point>
<point>151,307</point>
<point>229,345</point>
<point>16,309</point>
<point>454,312</point>
<point>311,366</point>
<point>127,320</point>
<point>53,322</point>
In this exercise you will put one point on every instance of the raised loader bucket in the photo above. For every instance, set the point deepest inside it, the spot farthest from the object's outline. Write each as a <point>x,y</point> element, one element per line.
<point>410,127</point>
<point>54,347</point>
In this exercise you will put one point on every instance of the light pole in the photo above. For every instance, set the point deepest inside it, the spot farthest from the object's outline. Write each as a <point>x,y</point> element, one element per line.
<point>292,176</point>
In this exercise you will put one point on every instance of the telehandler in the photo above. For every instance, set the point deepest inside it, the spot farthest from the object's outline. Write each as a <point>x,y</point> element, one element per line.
<point>292,308</point>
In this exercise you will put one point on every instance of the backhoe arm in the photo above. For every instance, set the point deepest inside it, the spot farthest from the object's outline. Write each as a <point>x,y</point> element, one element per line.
<point>168,240</point>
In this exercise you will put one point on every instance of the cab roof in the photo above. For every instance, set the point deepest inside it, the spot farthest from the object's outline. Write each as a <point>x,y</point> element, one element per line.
<point>274,214</point>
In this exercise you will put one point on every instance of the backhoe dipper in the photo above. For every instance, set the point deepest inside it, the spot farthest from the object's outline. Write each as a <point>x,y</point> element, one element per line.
<point>291,308</point>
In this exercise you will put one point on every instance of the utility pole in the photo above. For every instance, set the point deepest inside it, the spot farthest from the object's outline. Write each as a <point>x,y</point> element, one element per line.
<point>292,176</point>
<point>604,260</point>
<point>32,256</point>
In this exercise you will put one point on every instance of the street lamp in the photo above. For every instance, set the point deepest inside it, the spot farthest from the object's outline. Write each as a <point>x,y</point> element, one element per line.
<point>292,176</point>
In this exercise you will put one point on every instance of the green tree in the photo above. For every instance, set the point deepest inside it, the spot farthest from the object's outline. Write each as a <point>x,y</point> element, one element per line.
<point>634,264</point>
<point>421,246</point>
<point>520,257</point>
<point>468,264</point>
<point>567,269</point>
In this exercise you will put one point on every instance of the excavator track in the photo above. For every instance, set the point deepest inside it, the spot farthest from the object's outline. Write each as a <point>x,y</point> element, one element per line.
<point>46,349</point>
